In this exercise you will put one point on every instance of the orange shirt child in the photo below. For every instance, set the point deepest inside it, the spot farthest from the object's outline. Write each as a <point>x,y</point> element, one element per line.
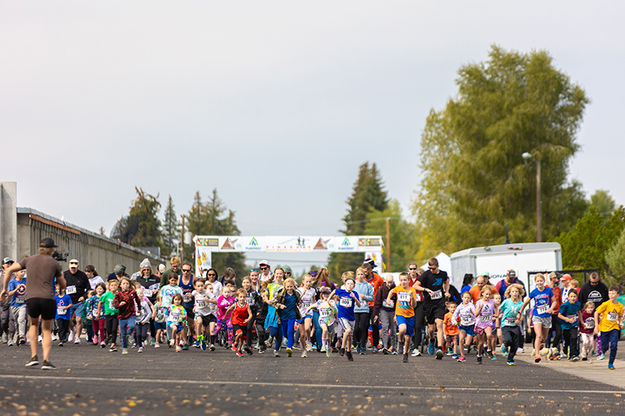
<point>450,328</point>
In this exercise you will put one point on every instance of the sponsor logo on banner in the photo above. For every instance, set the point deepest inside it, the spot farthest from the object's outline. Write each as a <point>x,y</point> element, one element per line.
<point>253,245</point>
<point>368,242</point>
<point>207,242</point>
<point>228,244</point>
<point>321,244</point>
<point>345,245</point>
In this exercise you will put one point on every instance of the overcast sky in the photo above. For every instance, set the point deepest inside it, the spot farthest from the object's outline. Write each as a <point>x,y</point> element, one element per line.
<point>275,104</point>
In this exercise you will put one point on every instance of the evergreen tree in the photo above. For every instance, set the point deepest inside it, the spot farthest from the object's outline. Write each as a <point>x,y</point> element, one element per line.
<point>615,258</point>
<point>141,227</point>
<point>171,227</point>
<point>604,203</point>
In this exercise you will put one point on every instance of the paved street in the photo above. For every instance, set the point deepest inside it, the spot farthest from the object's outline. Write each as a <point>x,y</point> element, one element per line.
<point>91,380</point>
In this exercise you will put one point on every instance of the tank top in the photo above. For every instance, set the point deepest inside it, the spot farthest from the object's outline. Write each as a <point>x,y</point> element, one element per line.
<point>240,314</point>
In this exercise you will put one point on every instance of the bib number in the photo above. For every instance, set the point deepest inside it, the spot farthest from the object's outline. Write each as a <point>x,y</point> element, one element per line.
<point>466,321</point>
<point>346,302</point>
<point>70,290</point>
<point>324,313</point>
<point>60,311</point>
<point>187,298</point>
<point>510,321</point>
<point>572,316</point>
<point>200,303</point>
<point>589,323</point>
<point>542,309</point>
<point>147,292</point>
<point>388,304</point>
<point>486,318</point>
<point>612,316</point>
<point>403,296</point>
<point>437,295</point>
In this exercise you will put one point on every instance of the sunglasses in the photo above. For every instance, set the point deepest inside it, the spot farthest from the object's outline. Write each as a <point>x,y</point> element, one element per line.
<point>412,268</point>
<point>186,270</point>
<point>211,274</point>
<point>264,268</point>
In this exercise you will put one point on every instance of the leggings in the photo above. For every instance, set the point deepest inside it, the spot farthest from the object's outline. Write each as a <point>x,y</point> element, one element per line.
<point>287,326</point>
<point>63,326</point>
<point>588,344</point>
<point>555,332</point>
<point>276,332</point>
<point>249,331</point>
<point>318,331</point>
<point>141,333</point>
<point>361,329</point>
<point>570,341</point>
<point>512,338</point>
<point>98,329</point>
<point>419,324</point>
<point>111,324</point>
<point>261,333</point>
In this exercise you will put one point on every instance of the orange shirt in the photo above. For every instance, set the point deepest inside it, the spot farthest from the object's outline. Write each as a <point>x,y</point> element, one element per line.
<point>402,303</point>
<point>376,282</point>
<point>450,329</point>
<point>476,292</point>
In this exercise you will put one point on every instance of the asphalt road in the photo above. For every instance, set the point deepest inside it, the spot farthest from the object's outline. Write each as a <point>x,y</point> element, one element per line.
<point>92,380</point>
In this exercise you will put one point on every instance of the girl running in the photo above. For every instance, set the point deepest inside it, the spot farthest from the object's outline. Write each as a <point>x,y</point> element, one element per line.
<point>327,311</point>
<point>97,320</point>
<point>241,315</point>
<point>160,324</point>
<point>347,298</point>
<point>485,312</point>
<point>587,331</point>
<point>201,310</point>
<point>125,300</point>
<point>142,320</point>
<point>287,303</point>
<point>464,315</point>
<point>272,322</point>
<point>176,320</point>
<point>106,309</point>
<point>307,295</point>
<point>497,337</point>
<point>223,314</point>
<point>510,317</point>
<point>544,300</point>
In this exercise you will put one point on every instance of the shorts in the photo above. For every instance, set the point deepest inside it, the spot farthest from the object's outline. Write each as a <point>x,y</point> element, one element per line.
<point>242,328</point>
<point>206,319</point>
<point>160,325</point>
<point>546,322</point>
<point>346,324</point>
<point>434,311</point>
<point>450,339</point>
<point>480,329</point>
<point>409,322</point>
<point>46,308</point>
<point>75,309</point>
<point>178,327</point>
<point>468,329</point>
<point>301,321</point>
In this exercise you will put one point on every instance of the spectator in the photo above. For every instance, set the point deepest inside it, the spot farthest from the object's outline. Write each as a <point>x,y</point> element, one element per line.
<point>175,269</point>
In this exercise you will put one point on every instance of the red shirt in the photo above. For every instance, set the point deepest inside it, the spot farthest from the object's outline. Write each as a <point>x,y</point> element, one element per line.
<point>419,292</point>
<point>376,281</point>
<point>239,315</point>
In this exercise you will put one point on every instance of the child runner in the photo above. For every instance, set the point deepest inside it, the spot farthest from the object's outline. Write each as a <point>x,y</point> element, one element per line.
<point>253,298</point>
<point>106,308</point>
<point>406,300</point>
<point>327,318</point>
<point>176,320</point>
<point>609,316</point>
<point>485,313</point>
<point>569,316</point>
<point>451,332</point>
<point>223,314</point>
<point>307,294</point>
<point>510,317</point>
<point>17,293</point>
<point>97,318</point>
<point>241,315</point>
<point>272,322</point>
<point>125,300</point>
<point>142,320</point>
<point>160,324</point>
<point>347,297</point>
<point>287,303</point>
<point>497,336</point>
<point>544,300</point>
<point>362,313</point>
<point>203,317</point>
<point>465,314</point>
<point>63,303</point>
<point>587,330</point>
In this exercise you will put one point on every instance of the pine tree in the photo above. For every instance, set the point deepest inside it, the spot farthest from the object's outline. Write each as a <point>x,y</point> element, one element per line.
<point>171,227</point>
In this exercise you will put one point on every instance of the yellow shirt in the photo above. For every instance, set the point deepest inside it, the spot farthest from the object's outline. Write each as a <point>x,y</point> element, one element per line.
<point>612,315</point>
<point>402,305</point>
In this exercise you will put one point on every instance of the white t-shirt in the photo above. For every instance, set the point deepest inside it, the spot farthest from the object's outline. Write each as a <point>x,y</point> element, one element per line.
<point>308,298</point>
<point>202,305</point>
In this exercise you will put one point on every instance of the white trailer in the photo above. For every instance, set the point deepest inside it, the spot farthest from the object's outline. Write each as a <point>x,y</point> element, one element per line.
<point>523,258</point>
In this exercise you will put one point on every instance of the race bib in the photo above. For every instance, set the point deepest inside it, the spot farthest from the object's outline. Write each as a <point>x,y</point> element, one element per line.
<point>486,318</point>
<point>572,316</point>
<point>466,320</point>
<point>542,309</point>
<point>250,301</point>
<point>70,290</point>
<point>612,316</point>
<point>419,296</point>
<point>187,297</point>
<point>19,299</point>
<point>388,304</point>
<point>200,303</point>
<point>60,311</point>
<point>589,323</point>
<point>324,313</point>
<point>147,292</point>
<point>437,295</point>
<point>403,296</point>
<point>510,321</point>
<point>346,302</point>
<point>111,304</point>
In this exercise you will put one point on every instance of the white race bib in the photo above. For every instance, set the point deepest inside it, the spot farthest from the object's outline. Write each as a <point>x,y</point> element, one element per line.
<point>542,309</point>
<point>200,303</point>
<point>147,292</point>
<point>346,302</point>
<point>589,323</point>
<point>60,311</point>
<point>466,320</point>
<point>436,295</point>
<point>612,316</point>
<point>403,296</point>
<point>572,316</point>
<point>324,312</point>
<point>70,290</point>
<point>486,318</point>
<point>187,297</point>
<point>388,304</point>
<point>510,321</point>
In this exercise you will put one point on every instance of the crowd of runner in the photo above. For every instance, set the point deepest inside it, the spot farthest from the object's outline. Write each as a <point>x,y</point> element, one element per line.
<point>364,313</point>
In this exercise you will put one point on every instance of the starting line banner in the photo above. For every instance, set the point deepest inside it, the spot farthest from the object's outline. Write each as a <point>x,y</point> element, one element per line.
<point>371,245</point>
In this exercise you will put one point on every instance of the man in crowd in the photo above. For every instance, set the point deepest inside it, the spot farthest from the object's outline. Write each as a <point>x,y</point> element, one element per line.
<point>435,283</point>
<point>510,279</point>
<point>376,281</point>
<point>265,271</point>
<point>414,273</point>
<point>77,287</point>
<point>175,269</point>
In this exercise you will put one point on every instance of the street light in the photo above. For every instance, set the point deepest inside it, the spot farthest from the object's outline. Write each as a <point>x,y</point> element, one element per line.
<point>528,156</point>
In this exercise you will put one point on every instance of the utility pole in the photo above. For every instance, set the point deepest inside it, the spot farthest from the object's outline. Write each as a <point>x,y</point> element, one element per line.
<point>539,203</point>
<point>388,245</point>
<point>182,241</point>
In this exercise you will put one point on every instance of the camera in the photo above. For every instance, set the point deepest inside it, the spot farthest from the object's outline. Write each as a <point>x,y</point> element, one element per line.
<point>60,256</point>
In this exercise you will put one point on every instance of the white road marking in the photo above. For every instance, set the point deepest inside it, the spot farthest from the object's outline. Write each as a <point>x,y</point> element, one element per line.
<point>416,389</point>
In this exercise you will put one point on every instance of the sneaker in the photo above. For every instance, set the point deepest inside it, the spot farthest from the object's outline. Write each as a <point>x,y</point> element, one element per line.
<point>454,356</point>
<point>140,349</point>
<point>601,356</point>
<point>276,354</point>
<point>157,345</point>
<point>304,355</point>
<point>61,344</point>
<point>461,359</point>
<point>324,348</point>
<point>212,347</point>
<point>196,344</point>
<point>439,354</point>
<point>113,348</point>
<point>21,341</point>
<point>611,367</point>
<point>576,358</point>
<point>10,343</point>
<point>71,336</point>
<point>416,352</point>
<point>349,355</point>
<point>489,354</point>
<point>511,363</point>
<point>95,340</point>
<point>375,350</point>
<point>102,344</point>
<point>431,348</point>
<point>584,359</point>
<point>520,350</point>
<point>239,353</point>
<point>47,365</point>
<point>479,359</point>
<point>248,350</point>
<point>328,352</point>
<point>178,348</point>
<point>185,347</point>
<point>77,340</point>
<point>449,352</point>
<point>493,356</point>
<point>384,351</point>
<point>537,359</point>
<point>124,351</point>
<point>405,358</point>
<point>39,338</point>
<point>342,352</point>
<point>203,345</point>
<point>504,351</point>
<point>33,361</point>
<point>309,346</point>
<point>289,352</point>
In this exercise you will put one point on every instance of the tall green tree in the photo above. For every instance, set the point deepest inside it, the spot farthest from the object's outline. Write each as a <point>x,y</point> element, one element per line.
<point>170,228</point>
<point>368,194</point>
<point>615,258</point>
<point>604,203</point>
<point>475,180</point>
<point>141,227</point>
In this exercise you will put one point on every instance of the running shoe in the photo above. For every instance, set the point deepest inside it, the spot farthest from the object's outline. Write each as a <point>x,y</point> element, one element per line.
<point>576,358</point>
<point>275,353</point>
<point>537,359</point>
<point>405,358</point>
<point>601,356</point>
<point>71,336</point>
<point>203,345</point>
<point>503,349</point>
<point>328,352</point>
<point>21,341</point>
<point>449,352</point>
<point>342,352</point>
<point>196,344</point>
<point>394,352</point>
<point>461,359</point>
<point>77,340</point>
<point>455,356</point>
<point>140,349</point>
<point>439,354</point>
<point>10,343</point>
<point>309,346</point>
<point>102,344</point>
<point>289,352</point>
<point>375,350</point>
<point>185,347</point>
<point>47,365</point>
<point>431,348</point>
<point>33,361</point>
<point>416,352</point>
<point>511,363</point>
<point>584,359</point>
<point>349,355</point>
<point>239,353</point>
<point>178,348</point>
<point>234,348</point>
<point>113,348</point>
<point>95,340</point>
<point>493,356</point>
<point>324,348</point>
<point>212,347</point>
<point>384,351</point>
<point>479,359</point>
<point>124,351</point>
<point>304,355</point>
<point>611,367</point>
<point>489,354</point>
<point>61,344</point>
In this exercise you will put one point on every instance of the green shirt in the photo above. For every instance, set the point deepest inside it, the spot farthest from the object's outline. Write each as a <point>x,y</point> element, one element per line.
<point>107,301</point>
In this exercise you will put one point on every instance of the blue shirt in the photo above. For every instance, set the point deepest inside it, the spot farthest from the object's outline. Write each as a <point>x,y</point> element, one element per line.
<point>64,300</point>
<point>510,311</point>
<point>542,302</point>
<point>290,312</point>
<point>18,298</point>
<point>346,304</point>
<point>570,311</point>
<point>365,293</point>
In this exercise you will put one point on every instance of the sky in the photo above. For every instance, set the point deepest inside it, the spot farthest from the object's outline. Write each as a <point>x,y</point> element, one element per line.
<point>275,103</point>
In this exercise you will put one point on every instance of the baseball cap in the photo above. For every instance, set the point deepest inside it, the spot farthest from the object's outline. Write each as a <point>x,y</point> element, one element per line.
<point>287,269</point>
<point>265,262</point>
<point>73,262</point>
<point>7,260</point>
<point>162,268</point>
<point>371,262</point>
<point>145,264</point>
<point>119,269</point>
<point>47,243</point>
<point>566,277</point>
<point>511,273</point>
